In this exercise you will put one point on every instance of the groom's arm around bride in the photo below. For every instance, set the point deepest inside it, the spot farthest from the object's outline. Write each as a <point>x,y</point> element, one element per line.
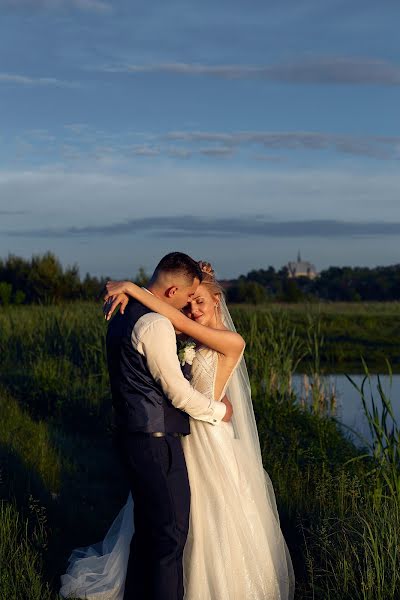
<point>154,338</point>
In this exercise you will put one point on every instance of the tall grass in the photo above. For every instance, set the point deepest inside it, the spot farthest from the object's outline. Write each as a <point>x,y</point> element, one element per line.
<point>53,359</point>
<point>21,566</point>
<point>27,443</point>
<point>353,549</point>
<point>273,353</point>
<point>349,331</point>
<point>384,446</point>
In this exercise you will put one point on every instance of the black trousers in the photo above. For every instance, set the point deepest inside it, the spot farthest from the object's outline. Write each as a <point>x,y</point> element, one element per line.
<point>159,484</point>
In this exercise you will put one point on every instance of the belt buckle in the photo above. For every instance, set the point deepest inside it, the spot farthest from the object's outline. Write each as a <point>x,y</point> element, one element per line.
<point>158,434</point>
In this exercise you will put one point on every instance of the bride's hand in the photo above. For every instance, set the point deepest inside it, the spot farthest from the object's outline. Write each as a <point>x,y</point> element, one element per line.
<point>116,287</point>
<point>111,303</point>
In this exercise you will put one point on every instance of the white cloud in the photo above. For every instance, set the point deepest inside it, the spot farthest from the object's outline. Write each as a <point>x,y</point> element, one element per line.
<point>97,6</point>
<point>76,128</point>
<point>146,151</point>
<point>256,145</point>
<point>94,6</point>
<point>380,147</point>
<point>34,81</point>
<point>221,151</point>
<point>174,152</point>
<point>336,70</point>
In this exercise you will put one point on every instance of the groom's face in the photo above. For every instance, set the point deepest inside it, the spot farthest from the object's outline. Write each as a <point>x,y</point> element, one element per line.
<point>183,293</point>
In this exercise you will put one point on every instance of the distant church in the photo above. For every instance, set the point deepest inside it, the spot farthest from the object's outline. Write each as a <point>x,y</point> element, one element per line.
<point>301,268</point>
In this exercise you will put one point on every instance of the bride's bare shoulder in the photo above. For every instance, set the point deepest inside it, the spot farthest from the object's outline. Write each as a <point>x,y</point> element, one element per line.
<point>233,342</point>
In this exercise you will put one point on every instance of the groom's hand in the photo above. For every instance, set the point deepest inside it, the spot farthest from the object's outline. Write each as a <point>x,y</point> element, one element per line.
<point>229,409</point>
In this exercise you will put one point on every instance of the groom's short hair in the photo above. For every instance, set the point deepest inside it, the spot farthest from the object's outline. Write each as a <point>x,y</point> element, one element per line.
<point>178,263</point>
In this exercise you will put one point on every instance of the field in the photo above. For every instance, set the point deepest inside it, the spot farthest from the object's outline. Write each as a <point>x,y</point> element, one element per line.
<point>61,485</point>
<point>349,331</point>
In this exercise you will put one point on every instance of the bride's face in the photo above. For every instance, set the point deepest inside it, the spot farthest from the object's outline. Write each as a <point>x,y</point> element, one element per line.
<point>201,308</point>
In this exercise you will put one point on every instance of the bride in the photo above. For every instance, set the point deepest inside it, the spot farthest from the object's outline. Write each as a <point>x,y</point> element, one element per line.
<point>235,549</point>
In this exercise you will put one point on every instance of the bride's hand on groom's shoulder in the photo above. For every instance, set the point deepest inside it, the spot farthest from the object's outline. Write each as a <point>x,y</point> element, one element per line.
<point>114,297</point>
<point>114,288</point>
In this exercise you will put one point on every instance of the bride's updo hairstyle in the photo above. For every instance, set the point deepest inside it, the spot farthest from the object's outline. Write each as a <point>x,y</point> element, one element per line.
<point>209,279</point>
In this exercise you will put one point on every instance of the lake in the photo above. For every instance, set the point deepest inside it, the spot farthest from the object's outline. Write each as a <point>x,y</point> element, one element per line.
<point>349,405</point>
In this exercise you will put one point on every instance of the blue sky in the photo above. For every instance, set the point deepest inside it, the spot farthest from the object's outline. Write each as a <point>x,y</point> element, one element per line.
<point>237,132</point>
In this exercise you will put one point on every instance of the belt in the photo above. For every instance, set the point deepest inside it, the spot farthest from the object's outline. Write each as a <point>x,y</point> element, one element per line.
<point>156,434</point>
<point>162,434</point>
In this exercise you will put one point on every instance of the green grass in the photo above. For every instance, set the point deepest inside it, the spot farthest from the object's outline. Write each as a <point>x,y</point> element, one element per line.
<point>339,516</point>
<point>53,359</point>
<point>350,331</point>
<point>334,308</point>
<point>28,443</point>
<point>20,559</point>
<point>62,486</point>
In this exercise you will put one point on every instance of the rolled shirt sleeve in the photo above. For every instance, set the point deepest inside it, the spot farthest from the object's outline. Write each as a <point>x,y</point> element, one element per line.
<point>154,337</point>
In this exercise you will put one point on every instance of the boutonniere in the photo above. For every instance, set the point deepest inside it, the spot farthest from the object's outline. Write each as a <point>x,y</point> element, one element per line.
<point>186,352</point>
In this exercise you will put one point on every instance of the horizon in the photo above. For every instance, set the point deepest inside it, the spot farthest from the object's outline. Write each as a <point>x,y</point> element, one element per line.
<point>149,271</point>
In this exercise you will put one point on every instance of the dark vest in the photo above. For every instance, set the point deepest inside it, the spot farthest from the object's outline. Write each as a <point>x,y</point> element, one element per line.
<point>138,400</point>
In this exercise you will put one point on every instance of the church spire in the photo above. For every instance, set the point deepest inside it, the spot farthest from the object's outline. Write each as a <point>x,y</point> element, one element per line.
<point>298,256</point>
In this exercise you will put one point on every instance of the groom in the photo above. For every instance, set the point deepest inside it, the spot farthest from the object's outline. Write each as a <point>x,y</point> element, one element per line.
<point>152,402</point>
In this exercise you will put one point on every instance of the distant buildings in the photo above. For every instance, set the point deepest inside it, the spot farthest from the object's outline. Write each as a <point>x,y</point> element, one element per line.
<point>301,268</point>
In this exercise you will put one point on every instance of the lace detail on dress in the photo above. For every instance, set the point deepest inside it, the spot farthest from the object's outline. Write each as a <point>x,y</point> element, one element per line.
<point>204,371</point>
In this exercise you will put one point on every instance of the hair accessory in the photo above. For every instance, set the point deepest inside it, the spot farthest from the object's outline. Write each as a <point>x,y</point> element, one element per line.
<point>206,268</point>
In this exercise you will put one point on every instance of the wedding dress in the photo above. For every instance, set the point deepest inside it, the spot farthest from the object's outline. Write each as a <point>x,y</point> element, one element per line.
<point>235,548</point>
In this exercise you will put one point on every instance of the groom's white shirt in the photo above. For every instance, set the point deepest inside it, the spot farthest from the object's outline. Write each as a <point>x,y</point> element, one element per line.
<point>153,336</point>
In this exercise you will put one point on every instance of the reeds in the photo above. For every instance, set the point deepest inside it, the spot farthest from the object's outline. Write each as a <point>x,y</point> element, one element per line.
<point>384,443</point>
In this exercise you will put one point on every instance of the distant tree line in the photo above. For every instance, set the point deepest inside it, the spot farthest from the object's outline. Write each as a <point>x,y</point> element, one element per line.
<point>344,284</point>
<point>43,280</point>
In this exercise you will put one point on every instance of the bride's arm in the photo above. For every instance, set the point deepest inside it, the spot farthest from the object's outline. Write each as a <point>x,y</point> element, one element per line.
<point>224,341</point>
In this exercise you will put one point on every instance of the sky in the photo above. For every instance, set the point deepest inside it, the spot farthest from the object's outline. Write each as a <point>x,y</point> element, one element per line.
<point>238,132</point>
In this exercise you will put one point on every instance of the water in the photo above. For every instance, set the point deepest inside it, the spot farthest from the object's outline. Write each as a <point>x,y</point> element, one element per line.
<point>349,405</point>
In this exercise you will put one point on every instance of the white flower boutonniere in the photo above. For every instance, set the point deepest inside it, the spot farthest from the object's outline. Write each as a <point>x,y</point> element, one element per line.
<point>186,352</point>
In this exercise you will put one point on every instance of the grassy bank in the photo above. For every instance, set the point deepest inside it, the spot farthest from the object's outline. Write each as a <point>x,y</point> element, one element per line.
<point>349,330</point>
<point>61,485</point>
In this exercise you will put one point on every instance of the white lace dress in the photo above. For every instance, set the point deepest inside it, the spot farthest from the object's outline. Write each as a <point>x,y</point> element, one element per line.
<point>235,549</point>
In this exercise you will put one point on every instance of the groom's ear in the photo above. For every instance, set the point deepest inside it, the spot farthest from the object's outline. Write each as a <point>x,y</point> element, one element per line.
<point>171,291</point>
